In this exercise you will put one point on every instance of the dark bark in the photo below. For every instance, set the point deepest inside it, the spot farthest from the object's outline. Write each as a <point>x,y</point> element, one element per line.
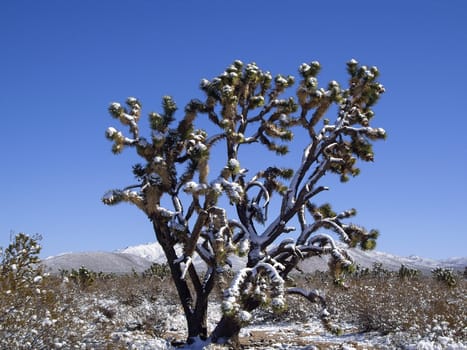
<point>196,321</point>
<point>195,310</point>
<point>197,325</point>
<point>228,328</point>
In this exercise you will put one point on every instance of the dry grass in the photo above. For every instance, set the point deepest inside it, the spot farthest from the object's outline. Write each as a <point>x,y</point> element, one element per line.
<point>421,306</point>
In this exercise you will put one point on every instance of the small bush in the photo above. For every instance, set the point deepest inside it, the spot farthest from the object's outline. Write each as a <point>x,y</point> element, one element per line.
<point>393,305</point>
<point>407,273</point>
<point>83,277</point>
<point>161,271</point>
<point>19,263</point>
<point>445,276</point>
<point>38,311</point>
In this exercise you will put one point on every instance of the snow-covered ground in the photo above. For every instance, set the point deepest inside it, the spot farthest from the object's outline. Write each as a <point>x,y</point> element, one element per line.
<point>307,335</point>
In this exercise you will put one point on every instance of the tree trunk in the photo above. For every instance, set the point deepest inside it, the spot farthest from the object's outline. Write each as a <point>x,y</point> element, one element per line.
<point>197,321</point>
<point>226,331</point>
<point>195,310</point>
<point>228,328</point>
<point>196,328</point>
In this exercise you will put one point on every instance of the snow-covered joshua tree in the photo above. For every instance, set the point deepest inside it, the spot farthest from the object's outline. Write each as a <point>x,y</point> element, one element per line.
<point>184,201</point>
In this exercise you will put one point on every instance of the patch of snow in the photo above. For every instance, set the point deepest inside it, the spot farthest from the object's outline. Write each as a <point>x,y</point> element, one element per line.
<point>150,251</point>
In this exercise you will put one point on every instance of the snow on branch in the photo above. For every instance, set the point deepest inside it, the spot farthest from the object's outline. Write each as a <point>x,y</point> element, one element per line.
<point>255,211</point>
<point>114,197</point>
<point>287,245</point>
<point>263,281</point>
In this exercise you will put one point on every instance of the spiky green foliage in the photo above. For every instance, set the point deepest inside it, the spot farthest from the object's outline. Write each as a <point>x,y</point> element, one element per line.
<point>83,277</point>
<point>407,273</point>
<point>445,276</point>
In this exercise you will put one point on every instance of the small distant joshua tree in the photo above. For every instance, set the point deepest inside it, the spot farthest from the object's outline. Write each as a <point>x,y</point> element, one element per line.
<point>189,208</point>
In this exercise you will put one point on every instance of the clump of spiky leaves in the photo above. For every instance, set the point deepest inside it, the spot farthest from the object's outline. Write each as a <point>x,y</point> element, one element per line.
<point>160,271</point>
<point>445,276</point>
<point>407,272</point>
<point>249,106</point>
<point>83,277</point>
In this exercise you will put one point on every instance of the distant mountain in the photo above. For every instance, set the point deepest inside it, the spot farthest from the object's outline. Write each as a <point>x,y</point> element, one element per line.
<point>149,251</point>
<point>139,258</point>
<point>367,259</point>
<point>455,262</point>
<point>108,262</point>
<point>154,253</point>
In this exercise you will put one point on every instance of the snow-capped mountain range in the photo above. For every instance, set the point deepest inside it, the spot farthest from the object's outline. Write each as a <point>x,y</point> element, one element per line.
<point>139,258</point>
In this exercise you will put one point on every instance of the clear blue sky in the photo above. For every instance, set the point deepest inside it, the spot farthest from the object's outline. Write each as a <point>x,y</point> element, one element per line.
<point>63,62</point>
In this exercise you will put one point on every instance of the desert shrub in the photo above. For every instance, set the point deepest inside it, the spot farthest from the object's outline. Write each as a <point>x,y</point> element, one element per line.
<point>136,303</point>
<point>132,290</point>
<point>361,271</point>
<point>445,276</point>
<point>82,277</point>
<point>298,310</point>
<point>24,302</point>
<point>105,275</point>
<point>415,306</point>
<point>379,271</point>
<point>407,273</point>
<point>161,271</point>
<point>38,311</point>
<point>19,263</point>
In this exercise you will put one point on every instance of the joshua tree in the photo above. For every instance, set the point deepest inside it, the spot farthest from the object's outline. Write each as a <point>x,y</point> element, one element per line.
<point>190,211</point>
